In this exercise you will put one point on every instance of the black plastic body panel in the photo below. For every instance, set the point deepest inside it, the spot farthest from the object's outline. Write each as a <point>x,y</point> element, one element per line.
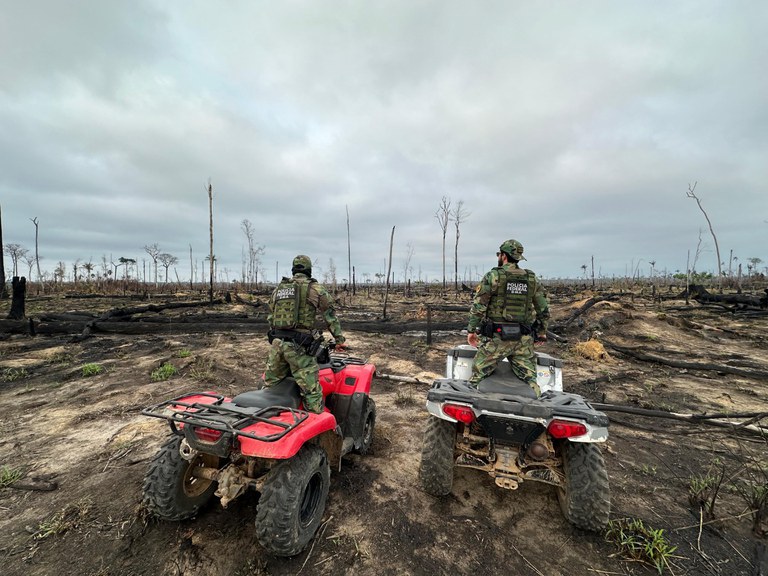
<point>549,405</point>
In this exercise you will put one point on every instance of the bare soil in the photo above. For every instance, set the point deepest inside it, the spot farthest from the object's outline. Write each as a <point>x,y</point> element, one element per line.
<point>83,436</point>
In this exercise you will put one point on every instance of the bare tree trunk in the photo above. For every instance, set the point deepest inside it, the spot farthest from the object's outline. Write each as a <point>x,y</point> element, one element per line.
<point>389,270</point>
<point>349,255</point>
<point>459,215</point>
<point>37,253</point>
<point>210,229</point>
<point>443,216</point>
<point>191,268</point>
<point>691,194</point>
<point>18,310</point>
<point>3,287</point>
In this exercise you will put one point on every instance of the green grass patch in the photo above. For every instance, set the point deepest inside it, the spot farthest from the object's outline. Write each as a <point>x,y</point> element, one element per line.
<point>184,353</point>
<point>9,476</point>
<point>92,369</point>
<point>163,373</point>
<point>14,374</point>
<point>640,543</point>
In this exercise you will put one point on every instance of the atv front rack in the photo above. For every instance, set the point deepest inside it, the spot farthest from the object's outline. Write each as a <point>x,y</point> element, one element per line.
<point>225,417</point>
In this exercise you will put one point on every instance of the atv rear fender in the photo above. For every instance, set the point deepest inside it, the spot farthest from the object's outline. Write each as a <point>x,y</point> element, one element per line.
<point>290,443</point>
<point>551,406</point>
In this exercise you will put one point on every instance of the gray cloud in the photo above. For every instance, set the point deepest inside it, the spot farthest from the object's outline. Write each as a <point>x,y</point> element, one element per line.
<point>574,127</point>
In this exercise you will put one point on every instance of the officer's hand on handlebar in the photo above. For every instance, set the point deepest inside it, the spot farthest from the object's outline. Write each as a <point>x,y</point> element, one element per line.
<point>473,339</point>
<point>341,347</point>
<point>540,340</point>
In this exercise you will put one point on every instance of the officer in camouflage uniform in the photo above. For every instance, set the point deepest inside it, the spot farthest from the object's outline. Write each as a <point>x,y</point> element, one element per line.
<point>293,308</point>
<point>510,310</point>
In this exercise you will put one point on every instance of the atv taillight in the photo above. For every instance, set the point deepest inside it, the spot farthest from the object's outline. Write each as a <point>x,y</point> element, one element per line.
<point>566,429</point>
<point>207,434</point>
<point>461,413</point>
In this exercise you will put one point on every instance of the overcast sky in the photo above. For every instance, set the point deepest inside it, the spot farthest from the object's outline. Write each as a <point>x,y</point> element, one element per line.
<point>574,127</point>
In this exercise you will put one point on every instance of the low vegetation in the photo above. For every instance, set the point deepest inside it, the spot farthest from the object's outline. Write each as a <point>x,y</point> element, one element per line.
<point>638,542</point>
<point>92,369</point>
<point>163,373</point>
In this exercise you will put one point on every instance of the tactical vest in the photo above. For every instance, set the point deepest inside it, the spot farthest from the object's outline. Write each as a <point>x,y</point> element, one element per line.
<point>291,308</point>
<point>513,297</point>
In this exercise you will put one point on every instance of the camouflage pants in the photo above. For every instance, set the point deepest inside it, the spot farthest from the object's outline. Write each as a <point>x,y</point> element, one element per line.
<point>518,352</point>
<point>290,359</point>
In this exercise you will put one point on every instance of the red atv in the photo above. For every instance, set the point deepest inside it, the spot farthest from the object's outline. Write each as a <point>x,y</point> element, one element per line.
<point>264,440</point>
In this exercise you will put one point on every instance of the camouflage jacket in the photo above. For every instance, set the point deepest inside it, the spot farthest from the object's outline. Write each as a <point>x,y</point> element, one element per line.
<point>321,301</point>
<point>488,288</point>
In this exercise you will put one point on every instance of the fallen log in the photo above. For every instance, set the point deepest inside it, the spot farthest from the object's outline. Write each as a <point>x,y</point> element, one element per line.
<point>37,484</point>
<point>396,378</point>
<point>560,326</point>
<point>644,356</point>
<point>716,419</point>
<point>701,294</point>
<point>83,327</point>
<point>242,300</point>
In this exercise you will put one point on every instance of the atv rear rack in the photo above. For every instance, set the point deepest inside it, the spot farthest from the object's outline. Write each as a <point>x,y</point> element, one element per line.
<point>224,416</point>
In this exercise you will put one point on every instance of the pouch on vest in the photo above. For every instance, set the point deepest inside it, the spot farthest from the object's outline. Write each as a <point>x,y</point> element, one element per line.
<point>508,331</point>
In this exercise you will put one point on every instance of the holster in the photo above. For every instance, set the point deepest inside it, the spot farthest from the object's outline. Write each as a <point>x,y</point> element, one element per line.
<point>300,338</point>
<point>313,348</point>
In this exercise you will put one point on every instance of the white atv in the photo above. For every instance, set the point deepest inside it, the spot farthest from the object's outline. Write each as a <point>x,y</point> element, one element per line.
<point>501,428</point>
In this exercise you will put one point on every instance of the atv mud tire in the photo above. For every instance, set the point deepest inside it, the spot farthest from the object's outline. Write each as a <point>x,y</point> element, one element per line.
<point>436,468</point>
<point>171,492</point>
<point>585,500</point>
<point>368,425</point>
<point>292,502</point>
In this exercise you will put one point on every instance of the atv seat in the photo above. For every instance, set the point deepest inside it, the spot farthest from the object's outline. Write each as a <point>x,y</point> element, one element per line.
<point>504,381</point>
<point>285,393</point>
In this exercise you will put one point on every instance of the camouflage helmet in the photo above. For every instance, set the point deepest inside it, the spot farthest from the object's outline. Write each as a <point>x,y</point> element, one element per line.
<point>302,264</point>
<point>513,248</point>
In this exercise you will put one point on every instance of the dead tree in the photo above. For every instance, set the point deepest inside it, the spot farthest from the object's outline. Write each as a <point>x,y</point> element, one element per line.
<point>210,229</point>
<point>153,251</point>
<point>459,216</point>
<point>351,277</point>
<point>389,272</point>
<point>37,253</point>
<point>443,215</point>
<point>17,311</point>
<point>406,280</point>
<point>3,287</point>
<point>691,194</point>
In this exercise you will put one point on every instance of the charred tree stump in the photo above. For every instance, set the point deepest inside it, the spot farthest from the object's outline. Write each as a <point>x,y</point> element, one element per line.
<point>17,311</point>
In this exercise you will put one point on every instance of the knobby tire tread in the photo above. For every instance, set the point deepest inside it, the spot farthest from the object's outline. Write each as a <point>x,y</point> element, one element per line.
<point>365,447</point>
<point>278,528</point>
<point>586,501</point>
<point>163,494</point>
<point>436,468</point>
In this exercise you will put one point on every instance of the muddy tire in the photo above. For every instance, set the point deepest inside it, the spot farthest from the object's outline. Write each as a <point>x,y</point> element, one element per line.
<point>436,468</point>
<point>292,502</point>
<point>170,491</point>
<point>585,500</point>
<point>368,426</point>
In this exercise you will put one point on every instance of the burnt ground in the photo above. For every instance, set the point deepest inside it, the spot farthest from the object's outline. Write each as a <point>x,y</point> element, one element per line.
<point>85,436</point>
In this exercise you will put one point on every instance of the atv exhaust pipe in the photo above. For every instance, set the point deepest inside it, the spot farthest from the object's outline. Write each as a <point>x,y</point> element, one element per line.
<point>186,451</point>
<point>538,451</point>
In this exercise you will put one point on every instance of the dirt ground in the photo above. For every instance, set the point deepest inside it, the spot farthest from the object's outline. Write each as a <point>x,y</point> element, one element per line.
<point>83,436</point>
